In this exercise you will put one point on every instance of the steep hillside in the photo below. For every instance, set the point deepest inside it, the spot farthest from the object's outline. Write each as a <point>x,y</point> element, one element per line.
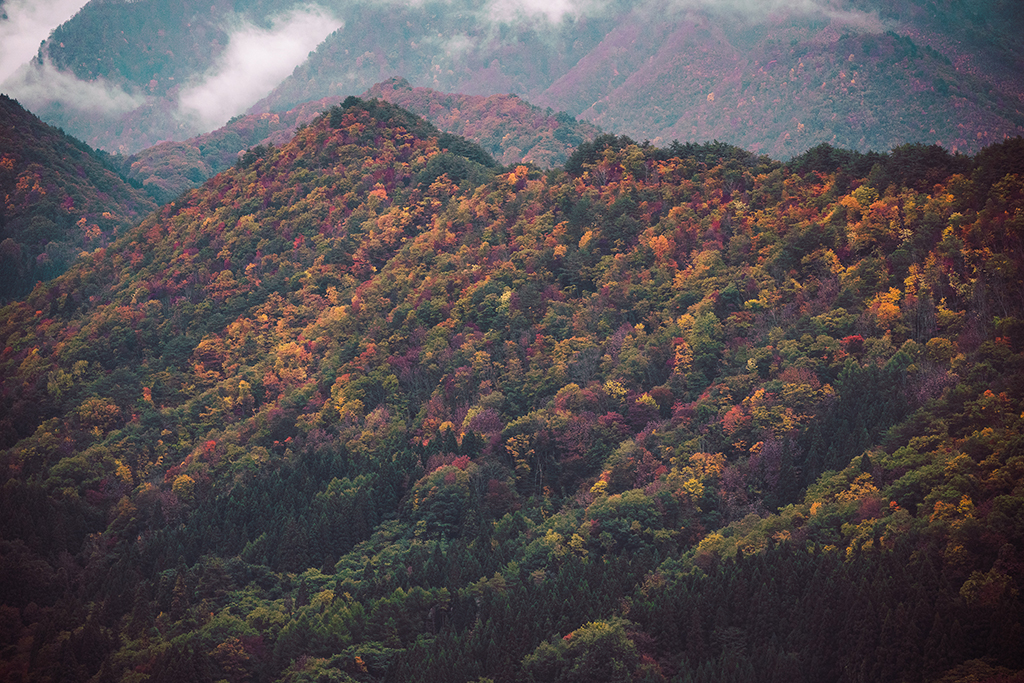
<point>363,409</point>
<point>59,198</point>
<point>511,130</point>
<point>859,75</point>
<point>799,85</point>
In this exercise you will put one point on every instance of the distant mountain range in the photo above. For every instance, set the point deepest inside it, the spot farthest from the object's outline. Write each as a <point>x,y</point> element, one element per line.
<point>773,78</point>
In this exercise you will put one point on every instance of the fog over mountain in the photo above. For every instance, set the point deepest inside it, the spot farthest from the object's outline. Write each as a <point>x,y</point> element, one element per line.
<point>124,76</point>
<point>256,59</point>
<point>777,77</point>
<point>26,23</point>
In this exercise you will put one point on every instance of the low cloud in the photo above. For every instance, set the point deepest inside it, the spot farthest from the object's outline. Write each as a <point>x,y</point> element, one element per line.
<point>752,7</point>
<point>839,11</point>
<point>862,21</point>
<point>37,85</point>
<point>28,23</point>
<point>255,61</point>
<point>751,10</point>
<point>553,10</point>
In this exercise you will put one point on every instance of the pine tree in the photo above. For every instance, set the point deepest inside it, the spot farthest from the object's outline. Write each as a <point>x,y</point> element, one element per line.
<point>181,598</point>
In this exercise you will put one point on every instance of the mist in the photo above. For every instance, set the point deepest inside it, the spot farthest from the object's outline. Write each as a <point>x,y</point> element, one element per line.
<point>259,57</point>
<point>553,10</point>
<point>255,61</point>
<point>748,10</point>
<point>37,85</point>
<point>28,23</point>
<point>755,10</point>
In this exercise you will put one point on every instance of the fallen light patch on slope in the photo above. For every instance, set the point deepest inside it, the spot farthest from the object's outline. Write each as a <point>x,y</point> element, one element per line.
<point>255,61</point>
<point>28,23</point>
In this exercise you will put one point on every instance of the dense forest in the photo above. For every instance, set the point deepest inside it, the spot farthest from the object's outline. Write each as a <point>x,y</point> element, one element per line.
<point>508,128</point>
<point>369,406</point>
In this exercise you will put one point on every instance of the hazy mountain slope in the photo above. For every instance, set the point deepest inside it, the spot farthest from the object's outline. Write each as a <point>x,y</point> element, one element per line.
<point>622,51</point>
<point>676,70</point>
<point>509,128</point>
<point>361,409</point>
<point>981,38</point>
<point>647,69</point>
<point>59,198</point>
<point>786,85</point>
<point>661,72</point>
<point>449,46</point>
<point>167,169</point>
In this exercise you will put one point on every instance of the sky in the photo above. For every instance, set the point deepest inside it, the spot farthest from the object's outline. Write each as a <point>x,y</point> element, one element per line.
<point>29,23</point>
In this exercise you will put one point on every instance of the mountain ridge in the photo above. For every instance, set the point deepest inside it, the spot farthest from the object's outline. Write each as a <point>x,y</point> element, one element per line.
<point>511,129</point>
<point>516,131</point>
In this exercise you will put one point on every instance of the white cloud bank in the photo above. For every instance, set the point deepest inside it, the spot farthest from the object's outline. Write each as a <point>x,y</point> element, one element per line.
<point>28,23</point>
<point>37,85</point>
<point>553,10</point>
<point>255,61</point>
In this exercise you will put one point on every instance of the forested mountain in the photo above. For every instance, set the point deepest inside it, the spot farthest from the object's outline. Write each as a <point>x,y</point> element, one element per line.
<point>368,407</point>
<point>863,75</point>
<point>507,127</point>
<point>803,86</point>
<point>775,78</point>
<point>58,198</point>
<point>511,130</point>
